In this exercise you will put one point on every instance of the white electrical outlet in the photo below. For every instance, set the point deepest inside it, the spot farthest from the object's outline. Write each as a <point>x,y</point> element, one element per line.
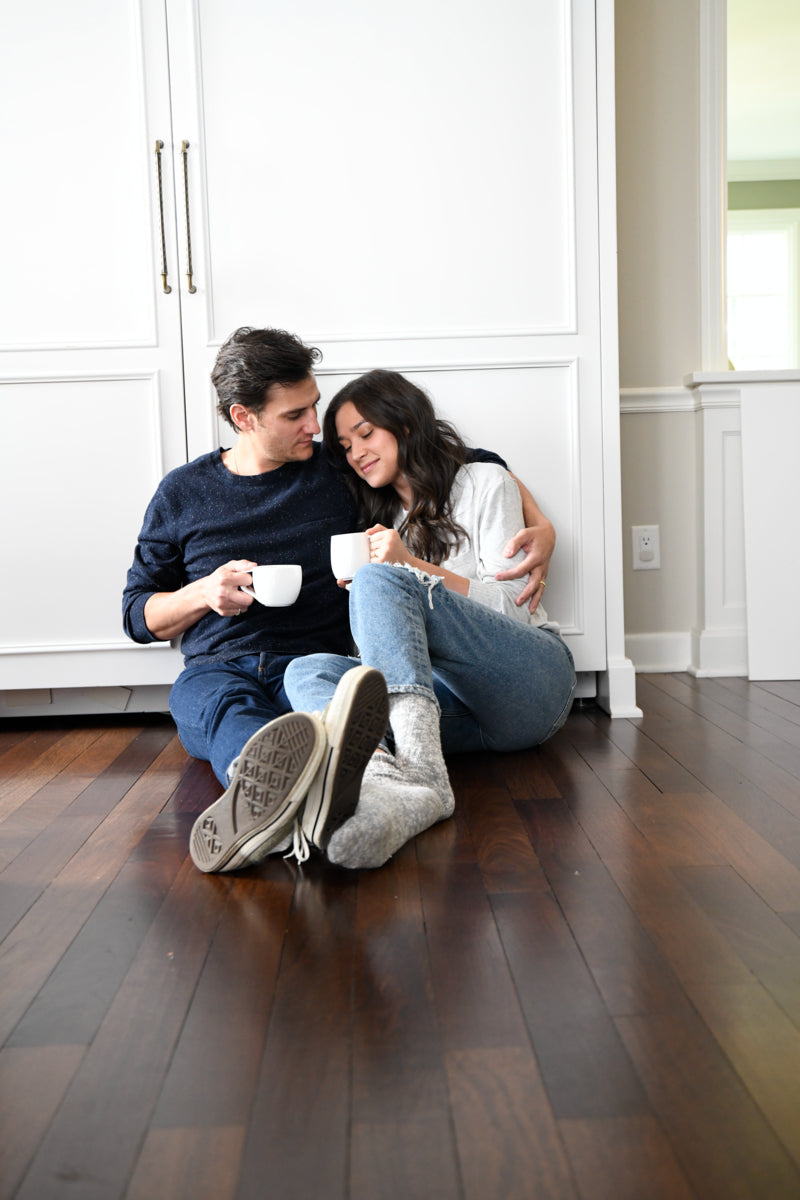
<point>646,547</point>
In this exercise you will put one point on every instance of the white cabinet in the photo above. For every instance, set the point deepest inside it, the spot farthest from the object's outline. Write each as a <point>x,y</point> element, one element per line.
<point>412,186</point>
<point>91,386</point>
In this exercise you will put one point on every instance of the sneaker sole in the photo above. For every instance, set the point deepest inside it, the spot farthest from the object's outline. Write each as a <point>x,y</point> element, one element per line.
<point>274,772</point>
<point>355,721</point>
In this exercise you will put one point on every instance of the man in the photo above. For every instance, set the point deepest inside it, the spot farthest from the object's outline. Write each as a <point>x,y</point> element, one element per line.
<point>272,498</point>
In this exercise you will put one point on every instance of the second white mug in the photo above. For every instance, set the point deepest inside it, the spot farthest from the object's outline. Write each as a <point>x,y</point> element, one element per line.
<point>349,551</point>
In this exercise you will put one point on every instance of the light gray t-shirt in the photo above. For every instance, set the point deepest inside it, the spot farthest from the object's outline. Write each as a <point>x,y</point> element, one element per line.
<point>488,506</point>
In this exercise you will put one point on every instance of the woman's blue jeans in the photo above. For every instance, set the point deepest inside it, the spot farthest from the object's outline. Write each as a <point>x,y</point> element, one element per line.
<point>217,707</point>
<point>500,684</point>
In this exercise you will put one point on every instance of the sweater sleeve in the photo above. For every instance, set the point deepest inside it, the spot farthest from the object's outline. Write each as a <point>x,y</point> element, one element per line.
<point>157,567</point>
<point>477,454</point>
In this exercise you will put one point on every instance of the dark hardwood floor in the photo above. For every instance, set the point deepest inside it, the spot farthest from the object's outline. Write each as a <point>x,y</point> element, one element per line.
<point>586,984</point>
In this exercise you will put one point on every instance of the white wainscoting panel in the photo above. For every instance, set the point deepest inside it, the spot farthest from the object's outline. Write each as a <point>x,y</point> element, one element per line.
<point>79,241</point>
<point>770,447</point>
<point>442,135</point>
<point>719,641</point>
<point>73,541</point>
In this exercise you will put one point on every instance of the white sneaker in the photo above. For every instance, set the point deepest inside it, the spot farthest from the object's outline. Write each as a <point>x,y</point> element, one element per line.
<point>270,781</point>
<point>355,721</point>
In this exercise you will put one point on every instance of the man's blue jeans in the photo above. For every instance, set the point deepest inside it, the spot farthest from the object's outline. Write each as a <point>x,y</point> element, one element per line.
<point>501,684</point>
<point>217,707</point>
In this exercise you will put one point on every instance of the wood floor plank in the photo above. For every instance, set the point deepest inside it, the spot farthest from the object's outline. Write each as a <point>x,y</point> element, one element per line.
<point>72,824</point>
<point>764,752</point>
<point>395,1029</point>
<point>788,689</point>
<point>764,867</point>
<point>634,788</point>
<point>585,1068</point>
<point>756,705</point>
<point>52,755</point>
<point>502,849</point>
<point>628,970</point>
<point>188,1164</point>
<point>33,1081</point>
<point>624,1158</point>
<point>118,834</point>
<point>298,1133</point>
<point>740,756</point>
<point>664,817</point>
<point>24,748</point>
<point>664,821</point>
<point>666,772</point>
<point>769,733</point>
<point>390,1160</point>
<point>766,943</point>
<point>197,788</point>
<point>764,1047</point>
<point>35,815</point>
<point>399,1078</point>
<point>11,734</point>
<point>74,1000</point>
<point>767,809</point>
<point>508,1142</point>
<point>476,1003</point>
<point>94,1138</point>
<point>156,739</point>
<point>526,776</point>
<point>215,1065</point>
<point>35,944</point>
<point>761,793</point>
<point>720,1137</point>
<point>688,940</point>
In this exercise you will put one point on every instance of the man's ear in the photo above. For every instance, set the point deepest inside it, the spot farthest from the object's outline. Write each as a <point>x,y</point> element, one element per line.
<point>242,417</point>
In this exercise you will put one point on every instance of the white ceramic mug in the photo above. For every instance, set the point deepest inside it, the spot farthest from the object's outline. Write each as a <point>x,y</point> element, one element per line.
<point>276,585</point>
<point>349,551</point>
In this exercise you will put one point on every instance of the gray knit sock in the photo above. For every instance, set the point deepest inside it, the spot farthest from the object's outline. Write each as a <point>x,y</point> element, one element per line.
<point>418,744</point>
<point>390,812</point>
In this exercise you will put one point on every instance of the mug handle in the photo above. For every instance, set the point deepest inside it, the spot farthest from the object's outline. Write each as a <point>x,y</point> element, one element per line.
<point>249,591</point>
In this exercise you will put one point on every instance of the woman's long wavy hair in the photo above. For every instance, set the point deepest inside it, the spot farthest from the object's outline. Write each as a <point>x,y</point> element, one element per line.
<point>429,454</point>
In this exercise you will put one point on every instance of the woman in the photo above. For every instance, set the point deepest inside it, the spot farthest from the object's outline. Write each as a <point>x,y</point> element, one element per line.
<point>429,613</point>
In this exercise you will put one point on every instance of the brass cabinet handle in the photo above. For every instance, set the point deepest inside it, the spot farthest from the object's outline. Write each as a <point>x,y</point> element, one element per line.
<point>185,153</point>
<point>165,286</point>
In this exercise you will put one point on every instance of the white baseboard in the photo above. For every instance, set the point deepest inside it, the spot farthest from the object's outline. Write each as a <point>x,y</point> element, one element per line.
<point>719,652</point>
<point>655,653</point>
<point>71,702</point>
<point>700,652</point>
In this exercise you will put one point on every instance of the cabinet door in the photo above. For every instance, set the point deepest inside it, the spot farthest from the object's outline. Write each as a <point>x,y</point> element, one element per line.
<point>414,186</point>
<point>91,388</point>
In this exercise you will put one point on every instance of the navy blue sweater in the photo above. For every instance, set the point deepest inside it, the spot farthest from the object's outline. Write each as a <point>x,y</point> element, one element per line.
<point>202,516</point>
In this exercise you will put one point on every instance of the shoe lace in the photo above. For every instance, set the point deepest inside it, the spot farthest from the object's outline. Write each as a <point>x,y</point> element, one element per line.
<point>301,848</point>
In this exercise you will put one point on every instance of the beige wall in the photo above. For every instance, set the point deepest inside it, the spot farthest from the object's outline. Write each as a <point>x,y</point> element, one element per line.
<point>659,487</point>
<point>657,98</point>
<point>657,126</point>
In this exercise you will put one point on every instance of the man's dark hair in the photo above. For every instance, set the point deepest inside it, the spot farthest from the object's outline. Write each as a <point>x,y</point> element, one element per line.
<point>252,360</point>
